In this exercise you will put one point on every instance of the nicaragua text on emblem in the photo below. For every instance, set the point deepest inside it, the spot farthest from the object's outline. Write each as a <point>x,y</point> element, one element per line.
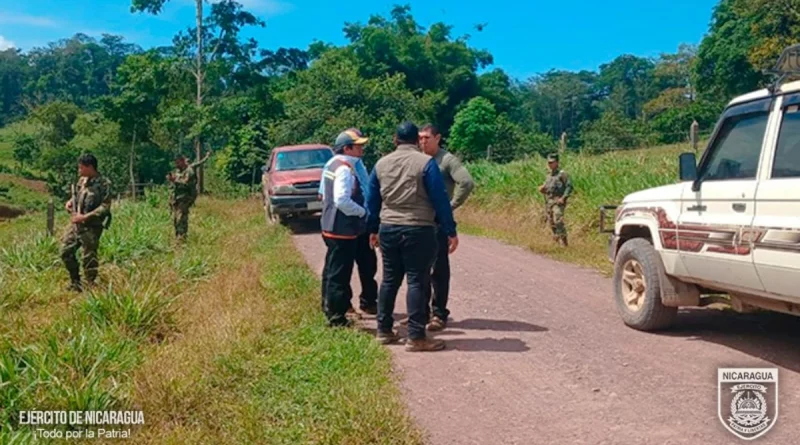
<point>748,400</point>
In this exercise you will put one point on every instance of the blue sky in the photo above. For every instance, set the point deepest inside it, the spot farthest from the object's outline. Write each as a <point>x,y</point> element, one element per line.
<point>525,38</point>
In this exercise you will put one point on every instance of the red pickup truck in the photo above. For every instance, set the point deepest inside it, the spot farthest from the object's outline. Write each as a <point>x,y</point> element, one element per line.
<point>291,179</point>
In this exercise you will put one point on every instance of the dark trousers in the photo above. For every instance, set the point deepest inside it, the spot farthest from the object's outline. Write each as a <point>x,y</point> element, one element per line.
<point>440,278</point>
<point>336,275</point>
<point>408,251</point>
<point>367,262</point>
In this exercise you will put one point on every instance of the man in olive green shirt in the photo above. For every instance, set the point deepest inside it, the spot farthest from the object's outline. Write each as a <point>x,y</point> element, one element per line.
<point>183,193</point>
<point>90,207</point>
<point>459,185</point>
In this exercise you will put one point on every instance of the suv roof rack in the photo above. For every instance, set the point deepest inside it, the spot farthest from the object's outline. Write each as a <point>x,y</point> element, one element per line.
<point>788,65</point>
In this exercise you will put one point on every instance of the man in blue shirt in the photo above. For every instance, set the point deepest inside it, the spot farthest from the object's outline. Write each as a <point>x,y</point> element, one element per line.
<point>366,259</point>
<point>407,197</point>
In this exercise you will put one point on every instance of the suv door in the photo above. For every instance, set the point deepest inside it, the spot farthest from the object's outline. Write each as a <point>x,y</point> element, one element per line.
<point>713,217</point>
<point>777,222</point>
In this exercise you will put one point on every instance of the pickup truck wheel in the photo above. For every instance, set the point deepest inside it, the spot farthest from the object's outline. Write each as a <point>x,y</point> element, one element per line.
<point>637,290</point>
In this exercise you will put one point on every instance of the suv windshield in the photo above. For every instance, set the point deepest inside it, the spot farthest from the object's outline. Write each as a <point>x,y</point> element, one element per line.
<point>302,159</point>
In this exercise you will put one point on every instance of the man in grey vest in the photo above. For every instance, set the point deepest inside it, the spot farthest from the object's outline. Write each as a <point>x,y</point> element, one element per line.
<point>343,219</point>
<point>407,197</point>
<point>459,185</point>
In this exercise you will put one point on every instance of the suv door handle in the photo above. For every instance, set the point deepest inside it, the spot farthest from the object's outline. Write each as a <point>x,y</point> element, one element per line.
<point>739,206</point>
<point>696,208</point>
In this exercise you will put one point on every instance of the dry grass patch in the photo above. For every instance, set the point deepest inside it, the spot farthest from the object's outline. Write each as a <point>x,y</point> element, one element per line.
<point>255,362</point>
<point>506,204</point>
<point>219,341</point>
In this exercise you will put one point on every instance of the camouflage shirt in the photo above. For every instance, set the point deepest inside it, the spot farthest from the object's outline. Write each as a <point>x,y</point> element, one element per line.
<point>557,185</point>
<point>94,199</point>
<point>182,190</point>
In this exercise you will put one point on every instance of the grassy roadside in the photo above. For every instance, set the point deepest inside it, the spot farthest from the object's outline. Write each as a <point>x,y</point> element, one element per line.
<point>507,206</point>
<point>220,341</point>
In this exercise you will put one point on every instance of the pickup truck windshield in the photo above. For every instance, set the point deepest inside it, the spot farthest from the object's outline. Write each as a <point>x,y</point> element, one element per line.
<point>302,159</point>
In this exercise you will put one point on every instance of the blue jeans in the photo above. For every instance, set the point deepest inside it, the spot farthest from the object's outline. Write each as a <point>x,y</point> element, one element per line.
<point>408,251</point>
<point>440,278</point>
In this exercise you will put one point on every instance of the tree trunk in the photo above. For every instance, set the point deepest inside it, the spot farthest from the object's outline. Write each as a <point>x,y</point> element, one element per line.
<point>130,164</point>
<point>198,144</point>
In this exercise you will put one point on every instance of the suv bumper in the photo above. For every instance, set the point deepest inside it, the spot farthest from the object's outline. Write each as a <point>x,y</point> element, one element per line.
<point>284,205</point>
<point>613,242</point>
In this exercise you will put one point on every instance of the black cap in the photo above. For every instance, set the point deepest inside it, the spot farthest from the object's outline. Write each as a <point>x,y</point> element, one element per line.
<point>552,157</point>
<point>407,132</point>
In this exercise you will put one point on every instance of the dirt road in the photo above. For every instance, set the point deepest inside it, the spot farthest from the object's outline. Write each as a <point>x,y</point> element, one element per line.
<point>537,355</point>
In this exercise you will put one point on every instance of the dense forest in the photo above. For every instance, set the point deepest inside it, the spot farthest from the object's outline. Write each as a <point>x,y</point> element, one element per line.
<point>211,90</point>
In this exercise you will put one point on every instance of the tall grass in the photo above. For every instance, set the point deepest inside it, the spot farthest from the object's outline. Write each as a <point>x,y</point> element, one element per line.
<point>507,204</point>
<point>219,340</point>
<point>73,352</point>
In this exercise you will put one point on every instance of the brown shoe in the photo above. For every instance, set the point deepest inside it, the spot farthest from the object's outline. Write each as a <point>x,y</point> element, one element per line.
<point>386,338</point>
<point>404,322</point>
<point>423,345</point>
<point>372,310</point>
<point>437,324</point>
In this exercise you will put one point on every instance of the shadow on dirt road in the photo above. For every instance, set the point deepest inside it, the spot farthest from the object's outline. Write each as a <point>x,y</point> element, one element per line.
<point>772,337</point>
<point>304,226</point>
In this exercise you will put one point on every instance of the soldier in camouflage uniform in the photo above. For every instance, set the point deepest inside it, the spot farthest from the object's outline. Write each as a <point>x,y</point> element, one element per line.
<point>183,193</point>
<point>557,188</point>
<point>90,215</point>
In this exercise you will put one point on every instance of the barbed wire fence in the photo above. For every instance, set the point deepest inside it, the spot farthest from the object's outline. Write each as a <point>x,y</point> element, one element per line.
<point>693,138</point>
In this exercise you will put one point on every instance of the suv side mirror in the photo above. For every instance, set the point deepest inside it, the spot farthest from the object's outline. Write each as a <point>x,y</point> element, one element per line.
<point>687,166</point>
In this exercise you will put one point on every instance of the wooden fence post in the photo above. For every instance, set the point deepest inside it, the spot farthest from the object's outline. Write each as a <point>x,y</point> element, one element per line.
<point>694,132</point>
<point>489,153</point>
<point>51,213</point>
<point>563,146</point>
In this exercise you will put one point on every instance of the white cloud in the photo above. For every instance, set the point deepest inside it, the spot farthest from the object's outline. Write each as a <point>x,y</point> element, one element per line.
<point>28,20</point>
<point>5,44</point>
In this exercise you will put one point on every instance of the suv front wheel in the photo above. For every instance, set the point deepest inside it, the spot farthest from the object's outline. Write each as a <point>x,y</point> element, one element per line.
<point>637,289</point>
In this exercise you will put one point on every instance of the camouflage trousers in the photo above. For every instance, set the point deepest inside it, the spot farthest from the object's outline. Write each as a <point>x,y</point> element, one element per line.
<point>87,238</point>
<point>555,219</point>
<point>180,219</point>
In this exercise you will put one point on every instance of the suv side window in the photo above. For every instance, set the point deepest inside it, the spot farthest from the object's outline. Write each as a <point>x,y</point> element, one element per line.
<point>736,150</point>
<point>787,155</point>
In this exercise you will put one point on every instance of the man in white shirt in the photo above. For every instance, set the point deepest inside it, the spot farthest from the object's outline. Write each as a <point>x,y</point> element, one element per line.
<point>366,258</point>
<point>343,221</point>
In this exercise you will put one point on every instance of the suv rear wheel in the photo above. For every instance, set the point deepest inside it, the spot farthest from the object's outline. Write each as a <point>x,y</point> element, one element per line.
<point>637,289</point>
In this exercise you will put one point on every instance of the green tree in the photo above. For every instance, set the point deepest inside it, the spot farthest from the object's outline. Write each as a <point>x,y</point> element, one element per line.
<point>14,72</point>
<point>474,129</point>
<point>26,148</point>
<point>628,83</point>
<point>559,101</point>
<point>222,37</point>
<point>723,69</point>
<point>435,66</point>
<point>139,87</point>
<point>331,96</point>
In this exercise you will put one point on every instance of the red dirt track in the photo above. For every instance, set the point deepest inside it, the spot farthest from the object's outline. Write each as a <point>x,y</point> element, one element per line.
<point>536,354</point>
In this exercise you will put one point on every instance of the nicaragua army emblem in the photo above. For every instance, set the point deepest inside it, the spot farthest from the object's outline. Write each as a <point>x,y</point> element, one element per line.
<point>748,400</point>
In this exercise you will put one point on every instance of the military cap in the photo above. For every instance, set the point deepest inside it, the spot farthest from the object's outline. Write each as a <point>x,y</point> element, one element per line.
<point>552,157</point>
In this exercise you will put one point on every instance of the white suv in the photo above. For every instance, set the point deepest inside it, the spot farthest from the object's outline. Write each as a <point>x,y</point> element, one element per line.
<point>731,226</point>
